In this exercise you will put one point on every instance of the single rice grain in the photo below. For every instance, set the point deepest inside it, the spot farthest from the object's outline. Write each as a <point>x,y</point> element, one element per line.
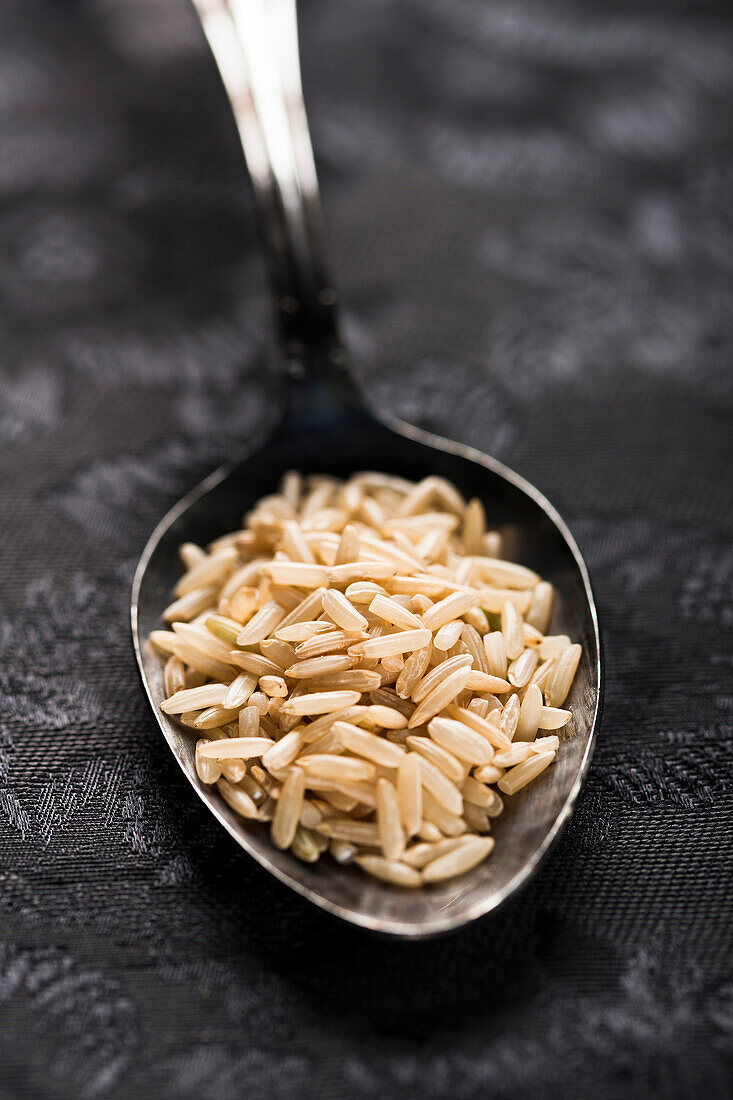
<point>511,628</point>
<point>463,858</point>
<point>362,743</point>
<point>327,766</point>
<point>321,702</point>
<point>522,669</point>
<point>510,717</point>
<point>446,636</point>
<point>495,654</point>
<point>236,748</point>
<point>392,871</point>
<point>237,798</point>
<point>440,787</point>
<point>388,609</point>
<point>440,697</point>
<point>552,718</point>
<point>289,805</point>
<point>525,772</point>
<point>450,765</point>
<point>391,834</point>
<point>530,712</point>
<point>402,641</point>
<point>460,740</point>
<point>409,792</point>
<point>562,677</point>
<point>342,612</point>
<point>207,770</point>
<point>262,623</point>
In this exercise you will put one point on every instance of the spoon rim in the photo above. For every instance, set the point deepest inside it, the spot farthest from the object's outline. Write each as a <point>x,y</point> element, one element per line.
<point>389,926</point>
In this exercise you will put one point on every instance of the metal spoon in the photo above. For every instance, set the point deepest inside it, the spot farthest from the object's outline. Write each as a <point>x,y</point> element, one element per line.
<point>327,428</point>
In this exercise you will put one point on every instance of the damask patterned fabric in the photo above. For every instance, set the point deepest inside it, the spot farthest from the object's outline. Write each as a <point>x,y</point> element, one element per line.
<point>529,207</point>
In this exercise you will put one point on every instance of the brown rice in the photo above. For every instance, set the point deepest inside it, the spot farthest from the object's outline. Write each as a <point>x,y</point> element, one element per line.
<point>366,672</point>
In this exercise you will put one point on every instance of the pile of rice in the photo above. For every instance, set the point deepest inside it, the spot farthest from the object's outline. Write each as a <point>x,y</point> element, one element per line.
<point>366,673</point>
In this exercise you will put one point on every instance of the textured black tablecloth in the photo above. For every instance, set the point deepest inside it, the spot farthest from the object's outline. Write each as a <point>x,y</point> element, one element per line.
<point>529,207</point>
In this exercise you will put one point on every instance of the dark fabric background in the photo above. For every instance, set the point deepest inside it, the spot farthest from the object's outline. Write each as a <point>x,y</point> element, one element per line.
<point>529,207</point>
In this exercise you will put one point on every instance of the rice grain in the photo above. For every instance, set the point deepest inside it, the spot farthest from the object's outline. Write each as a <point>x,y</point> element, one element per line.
<point>392,871</point>
<point>321,702</point>
<point>289,805</point>
<point>409,793</point>
<point>375,749</point>
<point>461,741</point>
<point>391,835</point>
<point>530,712</point>
<point>553,718</point>
<point>525,772</point>
<point>342,612</point>
<point>402,641</point>
<point>236,748</point>
<point>511,628</point>
<point>262,623</point>
<point>440,697</point>
<point>463,858</point>
<point>562,677</point>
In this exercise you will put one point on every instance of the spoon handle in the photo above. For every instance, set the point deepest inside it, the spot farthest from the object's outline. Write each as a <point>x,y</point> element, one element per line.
<point>255,46</point>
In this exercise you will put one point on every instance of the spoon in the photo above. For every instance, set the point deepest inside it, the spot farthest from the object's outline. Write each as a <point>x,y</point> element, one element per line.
<point>327,428</point>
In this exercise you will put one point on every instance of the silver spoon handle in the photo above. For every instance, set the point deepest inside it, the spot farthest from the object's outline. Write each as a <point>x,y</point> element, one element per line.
<point>255,46</point>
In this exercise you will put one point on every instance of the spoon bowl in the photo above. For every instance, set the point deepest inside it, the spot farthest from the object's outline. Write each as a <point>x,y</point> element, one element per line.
<point>347,440</point>
<point>328,429</point>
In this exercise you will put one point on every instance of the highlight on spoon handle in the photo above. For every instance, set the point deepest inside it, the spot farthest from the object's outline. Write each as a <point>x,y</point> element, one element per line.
<point>255,46</point>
